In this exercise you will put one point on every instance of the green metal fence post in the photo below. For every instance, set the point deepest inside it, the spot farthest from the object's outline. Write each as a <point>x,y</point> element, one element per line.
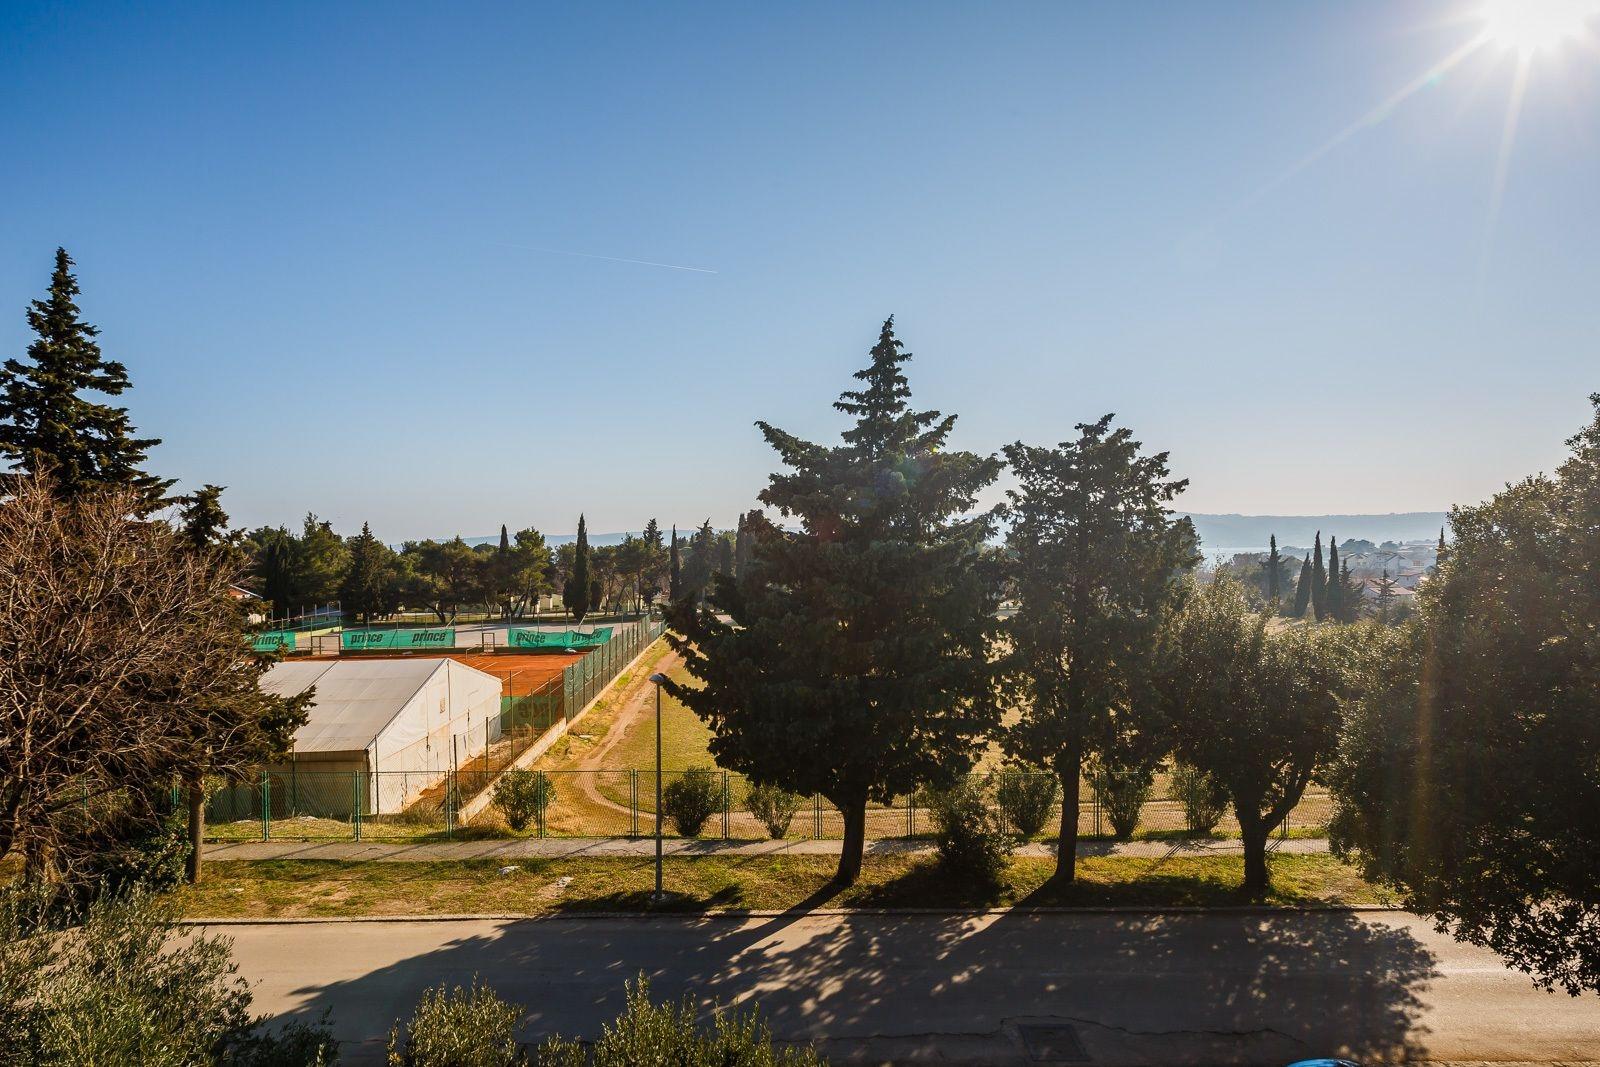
<point>633,802</point>
<point>727,805</point>
<point>266,807</point>
<point>816,818</point>
<point>542,791</point>
<point>355,803</point>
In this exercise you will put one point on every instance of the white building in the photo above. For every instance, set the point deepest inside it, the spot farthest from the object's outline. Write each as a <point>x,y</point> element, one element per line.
<point>402,723</point>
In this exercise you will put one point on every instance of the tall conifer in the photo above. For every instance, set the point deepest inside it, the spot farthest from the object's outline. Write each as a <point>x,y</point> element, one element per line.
<point>577,594</point>
<point>1302,588</point>
<point>1333,599</point>
<point>46,421</point>
<point>1319,581</point>
<point>857,662</point>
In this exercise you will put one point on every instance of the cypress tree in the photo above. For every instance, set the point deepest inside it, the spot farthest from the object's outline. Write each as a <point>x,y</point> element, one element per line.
<point>576,594</point>
<point>675,575</point>
<point>1349,595</point>
<point>1302,588</point>
<point>857,663</point>
<point>725,557</point>
<point>1333,599</point>
<point>1319,581</point>
<point>1274,565</point>
<point>46,422</point>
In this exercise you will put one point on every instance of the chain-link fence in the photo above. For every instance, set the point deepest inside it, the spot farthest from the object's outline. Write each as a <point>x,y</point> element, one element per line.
<point>287,804</point>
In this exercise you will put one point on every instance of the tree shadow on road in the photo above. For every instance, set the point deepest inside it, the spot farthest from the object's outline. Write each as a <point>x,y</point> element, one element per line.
<point>1133,987</point>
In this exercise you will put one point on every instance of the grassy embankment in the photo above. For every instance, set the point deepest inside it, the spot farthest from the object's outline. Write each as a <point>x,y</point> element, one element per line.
<point>301,888</point>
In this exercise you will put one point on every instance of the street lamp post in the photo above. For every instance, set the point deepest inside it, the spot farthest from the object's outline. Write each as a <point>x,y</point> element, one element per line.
<point>659,679</point>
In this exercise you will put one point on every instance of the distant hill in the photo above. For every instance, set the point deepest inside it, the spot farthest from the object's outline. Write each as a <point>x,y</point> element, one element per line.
<point>1251,531</point>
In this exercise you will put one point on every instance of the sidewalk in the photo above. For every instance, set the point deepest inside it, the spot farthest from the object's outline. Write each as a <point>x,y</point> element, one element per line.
<point>593,847</point>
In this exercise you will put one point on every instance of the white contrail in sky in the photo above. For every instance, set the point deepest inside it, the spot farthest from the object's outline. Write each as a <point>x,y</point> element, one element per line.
<point>615,259</point>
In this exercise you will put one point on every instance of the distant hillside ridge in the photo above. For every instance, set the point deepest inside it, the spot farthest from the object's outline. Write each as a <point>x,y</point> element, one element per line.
<point>1252,531</point>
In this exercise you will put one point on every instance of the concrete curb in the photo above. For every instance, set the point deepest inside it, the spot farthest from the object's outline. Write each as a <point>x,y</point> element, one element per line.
<point>1194,909</point>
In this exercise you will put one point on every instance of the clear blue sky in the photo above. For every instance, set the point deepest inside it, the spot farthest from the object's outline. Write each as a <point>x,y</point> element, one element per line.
<point>318,236</point>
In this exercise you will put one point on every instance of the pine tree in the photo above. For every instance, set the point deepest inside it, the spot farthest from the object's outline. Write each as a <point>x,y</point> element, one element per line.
<point>1333,597</point>
<point>675,576</point>
<point>1319,581</point>
<point>45,420</point>
<point>1274,566</point>
<point>1097,562</point>
<point>856,664</point>
<point>1386,597</point>
<point>365,584</point>
<point>577,594</point>
<point>1303,587</point>
<point>725,557</point>
<point>202,520</point>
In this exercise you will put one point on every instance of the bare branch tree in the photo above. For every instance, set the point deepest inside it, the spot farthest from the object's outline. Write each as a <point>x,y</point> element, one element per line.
<point>124,668</point>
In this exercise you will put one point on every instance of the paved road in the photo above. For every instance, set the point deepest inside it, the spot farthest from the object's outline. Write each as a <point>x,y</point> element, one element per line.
<point>1219,988</point>
<point>560,847</point>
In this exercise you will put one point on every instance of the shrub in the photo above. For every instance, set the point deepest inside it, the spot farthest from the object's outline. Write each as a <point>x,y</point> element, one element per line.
<point>107,983</point>
<point>1202,796</point>
<point>1026,798</point>
<point>459,1028</point>
<point>666,1033</point>
<point>691,799</point>
<point>774,807</point>
<point>1123,792</point>
<point>973,845</point>
<point>522,796</point>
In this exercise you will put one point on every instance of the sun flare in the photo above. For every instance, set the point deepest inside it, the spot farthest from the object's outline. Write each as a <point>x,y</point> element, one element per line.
<point>1531,25</point>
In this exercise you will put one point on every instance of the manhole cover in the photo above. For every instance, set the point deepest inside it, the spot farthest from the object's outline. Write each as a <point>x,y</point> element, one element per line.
<point>1052,1043</point>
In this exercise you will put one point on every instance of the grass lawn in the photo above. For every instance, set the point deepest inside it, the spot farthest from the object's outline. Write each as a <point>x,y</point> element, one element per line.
<point>312,888</point>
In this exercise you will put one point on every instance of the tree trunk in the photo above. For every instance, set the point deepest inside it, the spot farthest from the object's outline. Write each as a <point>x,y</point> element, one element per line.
<point>197,824</point>
<point>1253,831</point>
<point>1070,769</point>
<point>855,842</point>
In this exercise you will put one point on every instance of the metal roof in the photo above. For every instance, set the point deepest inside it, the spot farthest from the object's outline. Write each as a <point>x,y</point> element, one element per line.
<point>355,698</point>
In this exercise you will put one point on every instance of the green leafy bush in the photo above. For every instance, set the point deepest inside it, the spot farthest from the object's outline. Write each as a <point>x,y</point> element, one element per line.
<point>522,796</point>
<point>649,1033</point>
<point>1123,792</point>
<point>774,807</point>
<point>691,799</point>
<point>1202,796</point>
<point>107,983</point>
<point>459,1028</point>
<point>973,846</point>
<point>1026,799</point>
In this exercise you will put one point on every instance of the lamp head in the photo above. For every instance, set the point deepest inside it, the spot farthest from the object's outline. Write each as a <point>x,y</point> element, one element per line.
<point>659,678</point>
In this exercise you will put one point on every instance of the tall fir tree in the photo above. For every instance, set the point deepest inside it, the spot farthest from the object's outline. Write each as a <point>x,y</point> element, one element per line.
<point>1319,581</point>
<point>578,594</point>
<point>725,557</point>
<point>1333,597</point>
<point>857,660</point>
<point>46,421</point>
<point>1302,588</point>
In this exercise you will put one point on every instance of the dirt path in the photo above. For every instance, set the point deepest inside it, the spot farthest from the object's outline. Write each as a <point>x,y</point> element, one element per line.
<point>636,702</point>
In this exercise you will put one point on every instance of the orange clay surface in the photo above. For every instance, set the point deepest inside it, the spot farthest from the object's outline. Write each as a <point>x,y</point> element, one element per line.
<point>520,673</point>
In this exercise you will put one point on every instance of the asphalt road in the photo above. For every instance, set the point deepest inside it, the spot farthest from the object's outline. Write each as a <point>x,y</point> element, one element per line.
<point>1104,988</point>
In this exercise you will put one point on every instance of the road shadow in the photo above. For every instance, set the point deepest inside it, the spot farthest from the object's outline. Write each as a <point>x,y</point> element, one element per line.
<point>1208,988</point>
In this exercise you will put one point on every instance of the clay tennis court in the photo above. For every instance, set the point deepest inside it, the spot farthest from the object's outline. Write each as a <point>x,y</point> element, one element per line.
<point>520,673</point>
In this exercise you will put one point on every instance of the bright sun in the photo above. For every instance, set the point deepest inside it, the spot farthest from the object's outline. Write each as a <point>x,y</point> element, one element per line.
<point>1529,25</point>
